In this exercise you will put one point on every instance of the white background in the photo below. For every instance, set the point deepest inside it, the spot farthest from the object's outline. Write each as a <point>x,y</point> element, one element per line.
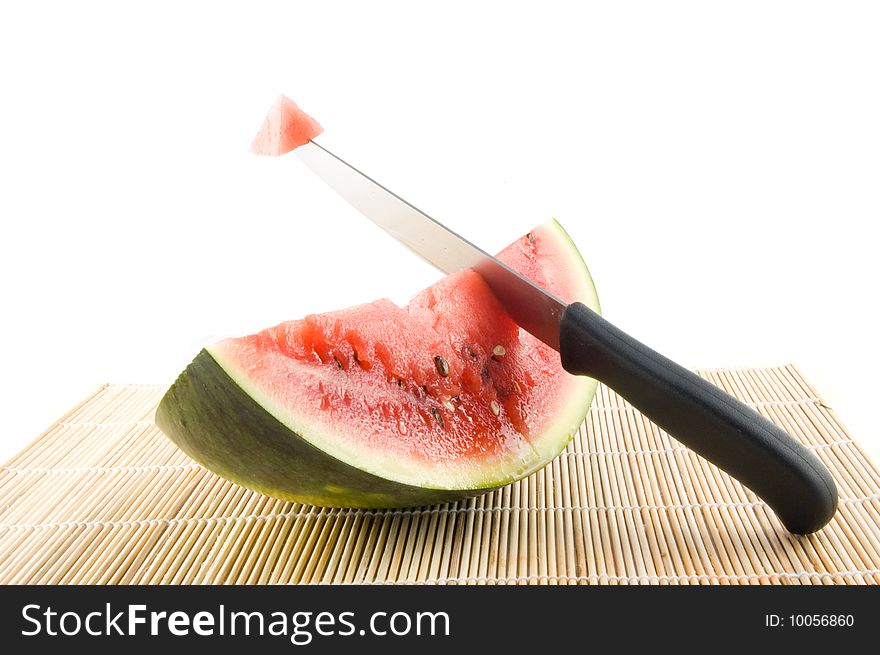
<point>716,163</point>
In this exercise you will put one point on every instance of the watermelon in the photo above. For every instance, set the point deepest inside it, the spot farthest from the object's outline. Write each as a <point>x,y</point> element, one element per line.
<point>386,406</point>
<point>286,127</point>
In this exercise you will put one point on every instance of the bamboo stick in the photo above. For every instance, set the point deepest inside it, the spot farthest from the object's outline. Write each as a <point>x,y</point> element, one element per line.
<point>102,496</point>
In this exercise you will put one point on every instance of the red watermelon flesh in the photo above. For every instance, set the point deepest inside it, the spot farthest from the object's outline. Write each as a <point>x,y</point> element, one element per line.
<point>286,127</point>
<point>445,393</point>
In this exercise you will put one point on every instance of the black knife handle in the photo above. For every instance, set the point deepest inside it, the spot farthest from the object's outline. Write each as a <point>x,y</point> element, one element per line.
<point>787,476</point>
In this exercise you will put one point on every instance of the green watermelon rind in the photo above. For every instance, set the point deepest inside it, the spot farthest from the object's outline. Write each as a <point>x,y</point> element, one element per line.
<point>214,421</point>
<point>223,421</point>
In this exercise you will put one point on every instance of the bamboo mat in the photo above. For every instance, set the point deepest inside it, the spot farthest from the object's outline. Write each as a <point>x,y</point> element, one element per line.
<point>104,497</point>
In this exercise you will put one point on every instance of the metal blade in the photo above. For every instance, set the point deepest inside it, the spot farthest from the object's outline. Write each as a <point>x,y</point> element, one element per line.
<point>535,310</point>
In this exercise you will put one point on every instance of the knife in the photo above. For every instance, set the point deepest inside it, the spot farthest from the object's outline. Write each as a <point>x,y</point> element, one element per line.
<point>717,426</point>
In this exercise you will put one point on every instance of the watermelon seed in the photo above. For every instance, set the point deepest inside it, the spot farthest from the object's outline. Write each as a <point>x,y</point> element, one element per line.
<point>357,359</point>
<point>499,351</point>
<point>399,382</point>
<point>338,363</point>
<point>516,386</point>
<point>448,405</point>
<point>496,409</point>
<point>485,372</point>
<point>442,366</point>
<point>401,426</point>
<point>438,416</point>
<point>531,237</point>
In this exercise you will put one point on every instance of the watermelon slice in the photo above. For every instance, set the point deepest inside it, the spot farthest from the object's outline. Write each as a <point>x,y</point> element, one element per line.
<point>383,406</point>
<point>286,127</point>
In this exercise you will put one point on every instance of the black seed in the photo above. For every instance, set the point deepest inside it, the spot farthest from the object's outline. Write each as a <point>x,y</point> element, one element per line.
<point>531,237</point>
<point>356,358</point>
<point>438,416</point>
<point>485,372</point>
<point>338,363</point>
<point>442,366</point>
<point>399,382</point>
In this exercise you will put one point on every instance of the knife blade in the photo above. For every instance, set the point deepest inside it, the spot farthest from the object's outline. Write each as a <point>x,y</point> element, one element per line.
<point>533,308</point>
<point>711,422</point>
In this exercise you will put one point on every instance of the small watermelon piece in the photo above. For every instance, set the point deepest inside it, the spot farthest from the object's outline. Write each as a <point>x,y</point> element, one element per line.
<point>387,406</point>
<point>286,127</point>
